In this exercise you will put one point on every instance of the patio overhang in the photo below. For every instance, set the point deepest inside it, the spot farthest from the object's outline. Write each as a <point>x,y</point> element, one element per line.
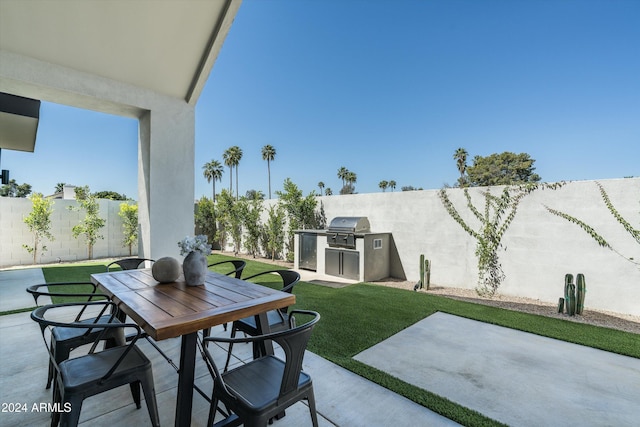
<point>148,60</point>
<point>19,118</point>
<point>167,47</point>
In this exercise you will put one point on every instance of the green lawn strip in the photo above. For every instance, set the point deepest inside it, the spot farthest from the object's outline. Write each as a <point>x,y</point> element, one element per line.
<point>72,273</point>
<point>17,310</point>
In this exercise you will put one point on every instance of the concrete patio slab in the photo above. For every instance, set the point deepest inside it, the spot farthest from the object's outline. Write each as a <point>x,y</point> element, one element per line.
<point>342,397</point>
<point>12,288</point>
<point>512,376</point>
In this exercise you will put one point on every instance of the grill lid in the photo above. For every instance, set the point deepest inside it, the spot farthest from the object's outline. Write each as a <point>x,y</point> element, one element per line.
<point>350,224</point>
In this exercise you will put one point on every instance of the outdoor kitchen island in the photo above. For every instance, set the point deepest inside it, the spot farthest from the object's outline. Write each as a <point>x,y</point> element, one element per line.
<point>347,249</point>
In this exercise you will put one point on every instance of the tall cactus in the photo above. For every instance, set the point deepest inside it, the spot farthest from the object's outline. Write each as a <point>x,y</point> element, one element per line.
<point>570,294</point>
<point>421,282</point>
<point>581,289</point>
<point>427,273</point>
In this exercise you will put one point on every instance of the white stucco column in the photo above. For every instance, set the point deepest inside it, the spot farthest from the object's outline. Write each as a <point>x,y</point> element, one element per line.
<point>165,179</point>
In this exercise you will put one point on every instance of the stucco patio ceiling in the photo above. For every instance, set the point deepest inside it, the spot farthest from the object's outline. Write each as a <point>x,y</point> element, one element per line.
<point>165,46</point>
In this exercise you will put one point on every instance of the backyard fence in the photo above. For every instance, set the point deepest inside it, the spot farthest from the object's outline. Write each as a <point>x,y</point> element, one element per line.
<point>537,250</point>
<point>65,247</point>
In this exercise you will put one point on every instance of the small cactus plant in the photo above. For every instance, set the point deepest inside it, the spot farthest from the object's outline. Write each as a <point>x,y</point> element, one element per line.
<point>570,294</point>
<point>427,268</point>
<point>574,295</point>
<point>425,274</point>
<point>581,289</point>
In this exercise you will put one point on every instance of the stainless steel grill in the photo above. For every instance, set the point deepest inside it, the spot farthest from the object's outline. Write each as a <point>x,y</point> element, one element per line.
<point>342,231</point>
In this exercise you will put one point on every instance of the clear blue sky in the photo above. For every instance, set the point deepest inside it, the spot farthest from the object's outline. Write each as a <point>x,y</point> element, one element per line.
<point>388,89</point>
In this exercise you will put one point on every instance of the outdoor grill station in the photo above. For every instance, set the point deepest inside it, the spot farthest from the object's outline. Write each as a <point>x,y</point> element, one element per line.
<point>347,249</point>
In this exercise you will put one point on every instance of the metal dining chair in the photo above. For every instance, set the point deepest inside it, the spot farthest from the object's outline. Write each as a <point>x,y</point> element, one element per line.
<point>238,266</point>
<point>262,389</point>
<point>98,371</point>
<point>278,319</point>
<point>64,340</point>
<point>129,263</point>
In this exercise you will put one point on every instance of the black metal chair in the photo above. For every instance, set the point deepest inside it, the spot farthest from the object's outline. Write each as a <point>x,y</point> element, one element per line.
<point>129,263</point>
<point>64,340</point>
<point>262,389</point>
<point>238,267</point>
<point>98,371</point>
<point>278,319</point>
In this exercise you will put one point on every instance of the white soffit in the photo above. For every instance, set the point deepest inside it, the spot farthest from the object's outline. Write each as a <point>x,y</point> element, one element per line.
<point>167,46</point>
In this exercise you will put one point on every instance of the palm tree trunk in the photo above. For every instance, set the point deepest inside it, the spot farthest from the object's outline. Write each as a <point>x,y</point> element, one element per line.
<point>269,170</point>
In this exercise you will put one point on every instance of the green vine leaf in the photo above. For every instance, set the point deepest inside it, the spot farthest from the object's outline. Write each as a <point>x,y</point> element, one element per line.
<point>605,197</point>
<point>598,238</point>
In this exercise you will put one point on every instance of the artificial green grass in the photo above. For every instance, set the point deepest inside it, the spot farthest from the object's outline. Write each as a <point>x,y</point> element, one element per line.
<point>359,316</point>
<point>72,273</point>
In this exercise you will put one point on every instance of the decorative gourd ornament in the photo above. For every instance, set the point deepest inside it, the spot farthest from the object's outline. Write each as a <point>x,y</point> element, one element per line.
<point>166,270</point>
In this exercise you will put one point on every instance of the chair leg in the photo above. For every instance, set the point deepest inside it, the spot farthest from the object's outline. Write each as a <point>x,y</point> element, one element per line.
<point>312,408</point>
<point>50,375</point>
<point>212,411</point>
<point>60,353</point>
<point>71,419</point>
<point>135,392</point>
<point>233,334</point>
<point>55,415</point>
<point>205,334</point>
<point>150,398</point>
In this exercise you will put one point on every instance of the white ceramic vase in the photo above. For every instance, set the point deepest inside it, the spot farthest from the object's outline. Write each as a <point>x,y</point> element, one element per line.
<point>194,267</point>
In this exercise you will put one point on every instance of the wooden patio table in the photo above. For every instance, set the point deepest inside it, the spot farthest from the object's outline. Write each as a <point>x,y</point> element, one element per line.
<point>175,309</point>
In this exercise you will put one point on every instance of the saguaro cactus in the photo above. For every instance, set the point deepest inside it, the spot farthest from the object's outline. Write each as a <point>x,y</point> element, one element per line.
<point>570,294</point>
<point>427,269</point>
<point>581,289</point>
<point>422,271</point>
<point>425,274</point>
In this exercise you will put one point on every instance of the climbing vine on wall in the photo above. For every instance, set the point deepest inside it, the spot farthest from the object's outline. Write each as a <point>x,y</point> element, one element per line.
<point>495,217</point>
<point>634,232</point>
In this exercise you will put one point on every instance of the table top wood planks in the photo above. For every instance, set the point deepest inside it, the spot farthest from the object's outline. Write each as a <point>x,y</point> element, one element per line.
<point>174,309</point>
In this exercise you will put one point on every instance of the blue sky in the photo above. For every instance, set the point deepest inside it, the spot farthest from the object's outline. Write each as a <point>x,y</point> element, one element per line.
<point>389,90</point>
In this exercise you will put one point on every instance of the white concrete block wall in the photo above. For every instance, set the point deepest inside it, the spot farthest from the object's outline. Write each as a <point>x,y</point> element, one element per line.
<point>538,248</point>
<point>14,233</point>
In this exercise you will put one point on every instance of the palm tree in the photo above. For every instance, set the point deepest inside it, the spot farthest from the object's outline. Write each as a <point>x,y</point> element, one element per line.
<point>460,156</point>
<point>227,157</point>
<point>60,187</point>
<point>268,154</point>
<point>392,185</point>
<point>342,174</point>
<point>350,179</point>
<point>383,185</point>
<point>213,172</point>
<point>328,192</point>
<point>237,156</point>
<point>321,186</point>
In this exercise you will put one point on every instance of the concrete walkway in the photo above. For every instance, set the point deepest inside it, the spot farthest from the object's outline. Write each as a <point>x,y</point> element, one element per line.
<point>517,378</point>
<point>12,288</point>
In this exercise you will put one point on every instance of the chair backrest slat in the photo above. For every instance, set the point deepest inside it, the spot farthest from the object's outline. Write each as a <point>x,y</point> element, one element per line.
<point>129,263</point>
